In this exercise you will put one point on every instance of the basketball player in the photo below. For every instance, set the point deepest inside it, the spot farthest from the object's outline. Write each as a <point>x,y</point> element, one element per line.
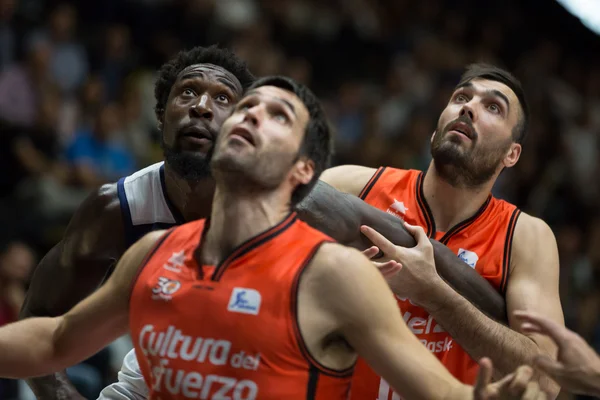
<point>305,303</point>
<point>195,92</point>
<point>479,133</point>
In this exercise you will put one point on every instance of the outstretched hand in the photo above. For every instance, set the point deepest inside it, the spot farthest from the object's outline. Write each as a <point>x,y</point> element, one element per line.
<point>577,367</point>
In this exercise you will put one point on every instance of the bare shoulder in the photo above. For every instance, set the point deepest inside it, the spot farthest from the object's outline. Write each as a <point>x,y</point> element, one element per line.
<point>97,226</point>
<point>348,178</point>
<point>531,230</point>
<point>341,268</point>
<point>533,241</point>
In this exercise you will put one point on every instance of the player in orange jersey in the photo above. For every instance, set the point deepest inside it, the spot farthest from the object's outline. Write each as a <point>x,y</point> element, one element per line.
<point>479,133</point>
<point>252,302</point>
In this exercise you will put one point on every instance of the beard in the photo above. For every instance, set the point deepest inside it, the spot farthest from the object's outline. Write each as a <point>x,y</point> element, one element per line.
<point>253,173</point>
<point>193,167</point>
<point>464,167</point>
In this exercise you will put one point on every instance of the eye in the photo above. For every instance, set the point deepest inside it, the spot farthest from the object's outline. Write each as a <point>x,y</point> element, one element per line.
<point>282,118</point>
<point>188,92</point>
<point>243,106</point>
<point>223,98</point>
<point>460,98</point>
<point>495,108</point>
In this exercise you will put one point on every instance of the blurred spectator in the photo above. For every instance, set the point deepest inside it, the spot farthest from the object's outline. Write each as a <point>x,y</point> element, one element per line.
<point>68,64</point>
<point>96,154</point>
<point>118,61</point>
<point>16,263</point>
<point>21,84</point>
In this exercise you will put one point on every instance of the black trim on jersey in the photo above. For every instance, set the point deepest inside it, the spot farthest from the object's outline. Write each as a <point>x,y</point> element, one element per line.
<point>147,258</point>
<point>365,192</point>
<point>313,380</point>
<point>249,244</point>
<point>465,224</point>
<point>296,326</point>
<point>420,196</point>
<point>430,222</point>
<point>510,231</point>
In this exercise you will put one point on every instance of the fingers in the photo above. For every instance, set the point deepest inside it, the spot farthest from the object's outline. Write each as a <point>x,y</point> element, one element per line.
<point>533,392</point>
<point>539,324</point>
<point>389,268</point>
<point>371,252</point>
<point>520,381</point>
<point>378,240</point>
<point>418,233</point>
<point>484,376</point>
<point>552,368</point>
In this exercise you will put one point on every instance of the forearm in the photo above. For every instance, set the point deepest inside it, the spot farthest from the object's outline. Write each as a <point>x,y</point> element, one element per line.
<point>51,387</point>
<point>472,286</point>
<point>341,215</point>
<point>478,335</point>
<point>54,387</point>
<point>27,348</point>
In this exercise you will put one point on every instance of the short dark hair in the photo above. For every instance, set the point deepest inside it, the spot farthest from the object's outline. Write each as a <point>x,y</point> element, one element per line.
<point>223,58</point>
<point>318,139</point>
<point>493,73</point>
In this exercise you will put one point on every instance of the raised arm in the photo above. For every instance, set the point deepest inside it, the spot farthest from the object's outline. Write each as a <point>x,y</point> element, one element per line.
<point>340,214</point>
<point>41,345</point>
<point>361,306</point>
<point>76,267</point>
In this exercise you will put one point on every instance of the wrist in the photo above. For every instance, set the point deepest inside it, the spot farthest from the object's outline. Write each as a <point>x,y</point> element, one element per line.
<point>433,295</point>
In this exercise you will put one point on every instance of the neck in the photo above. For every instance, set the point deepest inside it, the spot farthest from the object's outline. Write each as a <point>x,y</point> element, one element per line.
<point>192,199</point>
<point>450,205</point>
<point>236,217</point>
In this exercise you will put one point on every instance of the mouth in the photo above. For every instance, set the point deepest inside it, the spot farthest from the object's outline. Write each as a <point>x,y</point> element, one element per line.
<point>241,133</point>
<point>197,133</point>
<point>462,129</point>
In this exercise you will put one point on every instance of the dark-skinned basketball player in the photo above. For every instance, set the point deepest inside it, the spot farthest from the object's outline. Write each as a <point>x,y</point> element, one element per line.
<point>195,92</point>
<point>307,305</point>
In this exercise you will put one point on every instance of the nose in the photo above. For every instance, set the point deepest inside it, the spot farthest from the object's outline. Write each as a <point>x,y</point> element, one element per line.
<point>252,115</point>
<point>202,109</point>
<point>468,111</point>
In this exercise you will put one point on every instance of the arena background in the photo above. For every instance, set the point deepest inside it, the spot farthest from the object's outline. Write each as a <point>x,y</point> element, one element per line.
<point>76,91</point>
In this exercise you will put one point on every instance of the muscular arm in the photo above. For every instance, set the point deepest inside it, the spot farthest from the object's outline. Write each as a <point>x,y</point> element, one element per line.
<point>532,286</point>
<point>356,297</point>
<point>340,216</point>
<point>41,345</point>
<point>73,269</point>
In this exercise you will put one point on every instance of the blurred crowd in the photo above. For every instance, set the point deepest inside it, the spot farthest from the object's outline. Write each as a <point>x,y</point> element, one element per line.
<point>76,103</point>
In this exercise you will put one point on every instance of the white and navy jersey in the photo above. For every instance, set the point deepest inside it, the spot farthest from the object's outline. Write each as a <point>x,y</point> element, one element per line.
<point>145,205</point>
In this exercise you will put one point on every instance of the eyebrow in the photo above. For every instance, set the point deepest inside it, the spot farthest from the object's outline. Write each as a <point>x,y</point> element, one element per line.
<point>289,105</point>
<point>200,74</point>
<point>493,92</point>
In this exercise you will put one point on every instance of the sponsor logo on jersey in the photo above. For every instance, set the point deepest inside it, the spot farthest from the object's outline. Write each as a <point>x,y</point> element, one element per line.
<point>468,257</point>
<point>165,288</point>
<point>245,301</point>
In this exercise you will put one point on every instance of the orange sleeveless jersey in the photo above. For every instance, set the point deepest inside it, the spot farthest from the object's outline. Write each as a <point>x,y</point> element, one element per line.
<point>229,331</point>
<point>482,241</point>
